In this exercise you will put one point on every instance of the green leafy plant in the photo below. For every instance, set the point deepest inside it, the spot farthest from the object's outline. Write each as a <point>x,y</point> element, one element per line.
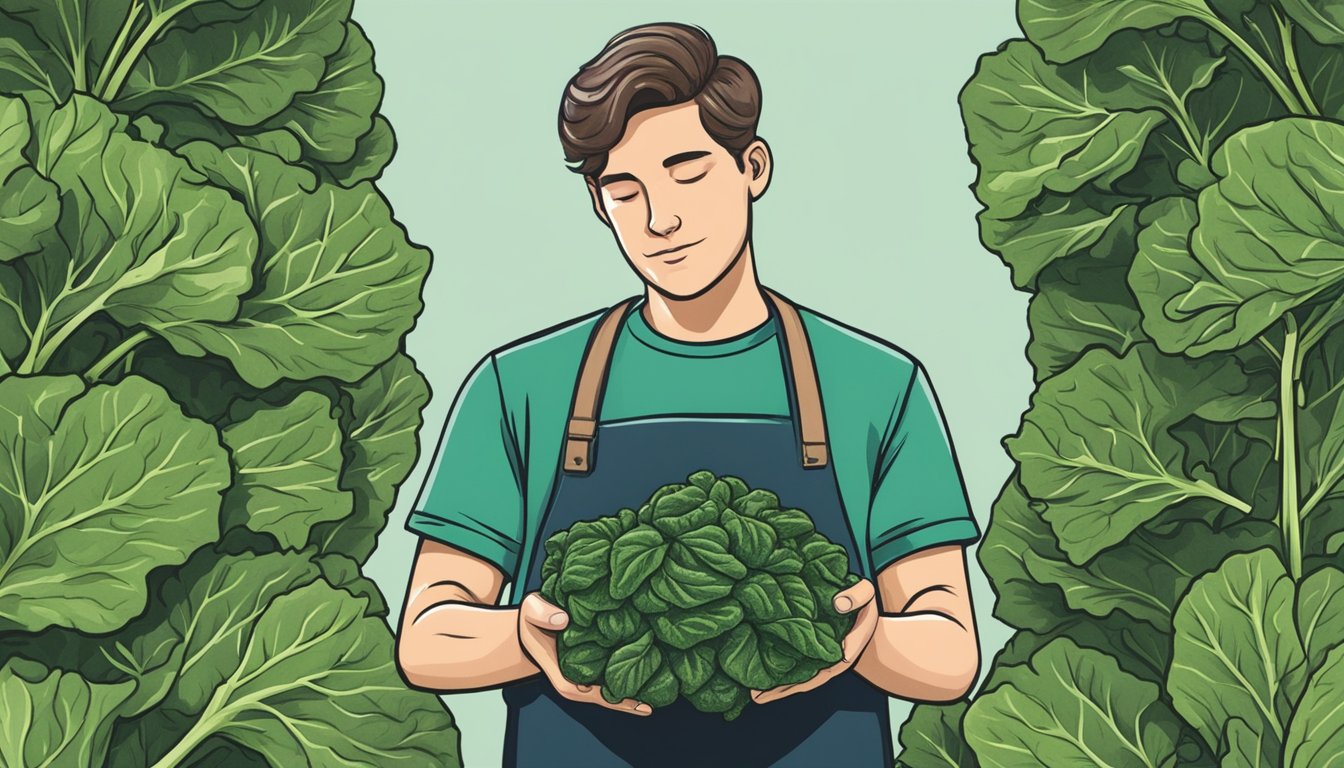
<point>1166,179</point>
<point>709,590</point>
<point>205,409</point>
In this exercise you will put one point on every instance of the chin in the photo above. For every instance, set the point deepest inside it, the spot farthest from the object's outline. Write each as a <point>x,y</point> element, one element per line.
<point>683,286</point>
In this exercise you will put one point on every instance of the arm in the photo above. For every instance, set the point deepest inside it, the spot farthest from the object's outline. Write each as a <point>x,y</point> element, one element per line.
<point>924,646</point>
<point>453,637</point>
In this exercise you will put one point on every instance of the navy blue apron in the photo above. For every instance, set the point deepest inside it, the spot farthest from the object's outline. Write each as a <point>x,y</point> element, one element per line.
<point>610,465</point>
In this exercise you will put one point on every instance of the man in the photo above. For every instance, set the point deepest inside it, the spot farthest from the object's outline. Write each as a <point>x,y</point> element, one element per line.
<point>706,370</point>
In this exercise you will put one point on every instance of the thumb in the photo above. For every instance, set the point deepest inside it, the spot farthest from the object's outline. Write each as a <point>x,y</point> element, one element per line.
<point>540,613</point>
<point>859,594</point>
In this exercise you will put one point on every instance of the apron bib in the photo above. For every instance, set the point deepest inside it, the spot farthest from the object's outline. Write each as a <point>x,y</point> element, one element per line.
<point>620,464</point>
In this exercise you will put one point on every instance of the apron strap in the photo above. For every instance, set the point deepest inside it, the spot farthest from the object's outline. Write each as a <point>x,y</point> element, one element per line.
<point>582,426</point>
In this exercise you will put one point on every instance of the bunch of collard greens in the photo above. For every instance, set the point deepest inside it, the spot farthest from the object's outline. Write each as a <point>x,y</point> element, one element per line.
<point>1166,178</point>
<point>205,411</point>
<point>709,590</point>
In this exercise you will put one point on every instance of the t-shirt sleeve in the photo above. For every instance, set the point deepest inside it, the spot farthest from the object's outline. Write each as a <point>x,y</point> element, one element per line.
<point>919,497</point>
<point>472,498</point>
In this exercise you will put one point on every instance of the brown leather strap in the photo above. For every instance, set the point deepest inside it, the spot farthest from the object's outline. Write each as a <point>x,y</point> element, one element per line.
<point>811,418</point>
<point>582,426</point>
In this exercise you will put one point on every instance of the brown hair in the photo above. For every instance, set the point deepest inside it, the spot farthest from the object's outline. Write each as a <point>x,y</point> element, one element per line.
<point>656,65</point>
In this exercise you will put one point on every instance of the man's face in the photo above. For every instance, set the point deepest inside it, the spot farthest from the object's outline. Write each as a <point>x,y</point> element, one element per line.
<point>676,201</point>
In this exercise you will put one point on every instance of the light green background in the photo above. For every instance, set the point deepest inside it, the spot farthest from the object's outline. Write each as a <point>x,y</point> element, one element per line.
<point>869,218</point>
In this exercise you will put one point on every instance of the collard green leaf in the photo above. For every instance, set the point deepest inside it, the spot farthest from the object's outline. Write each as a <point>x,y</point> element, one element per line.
<point>1244,747</point>
<point>692,521</point>
<point>646,601</point>
<point>1032,129</point>
<point>1324,21</point>
<point>1096,448</point>
<point>706,547</point>
<point>340,283</point>
<point>1015,531</point>
<point>54,718</point>
<point>1316,734</point>
<point>27,64</point>
<point>804,637</point>
<point>330,120</point>
<point>687,587</point>
<point>1246,604</point>
<point>683,629</point>
<point>288,464</point>
<point>1068,29</point>
<point>754,503</point>
<point>586,561</point>
<point>76,464</point>
<point>152,244</point>
<point>381,440</point>
<point>631,666</point>
<point>1082,303</point>
<point>783,561</point>
<point>790,523</point>
<point>1320,424</point>
<point>243,70</point>
<point>779,659</point>
<point>678,502</point>
<point>75,35</point>
<point>1050,229</point>
<point>704,480</point>
<point>719,694</point>
<point>28,202</point>
<point>621,625</point>
<point>292,684</point>
<point>1072,705</point>
<point>584,605</point>
<point>1137,68</point>
<point>932,738</point>
<point>797,596</point>
<point>1219,277</point>
<point>1320,614</point>
<point>634,557</point>
<point>373,152</point>
<point>1322,68</point>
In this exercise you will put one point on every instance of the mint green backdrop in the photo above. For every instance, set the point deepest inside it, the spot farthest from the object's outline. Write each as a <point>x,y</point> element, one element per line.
<point>868,218</point>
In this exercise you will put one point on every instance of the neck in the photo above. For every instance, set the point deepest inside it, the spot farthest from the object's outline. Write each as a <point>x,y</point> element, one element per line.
<point>733,306</point>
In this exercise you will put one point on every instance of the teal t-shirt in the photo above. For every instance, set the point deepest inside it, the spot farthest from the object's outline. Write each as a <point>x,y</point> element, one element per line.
<point>499,454</point>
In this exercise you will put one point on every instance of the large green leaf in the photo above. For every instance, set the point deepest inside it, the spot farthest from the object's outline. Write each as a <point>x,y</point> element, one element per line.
<point>288,463</point>
<point>1216,279</point>
<point>243,71</point>
<point>76,33</point>
<point>1052,228</point>
<point>1015,531</point>
<point>28,202</point>
<point>1068,29</point>
<point>932,738</point>
<point>27,64</point>
<point>339,286</point>
<point>1322,19</point>
<point>1323,70</point>
<point>1316,733</point>
<point>1082,303</point>
<point>98,487</point>
<point>1320,424</point>
<point>53,718</point>
<point>1071,706</point>
<point>634,558</point>
<point>373,152</point>
<point>630,667</point>
<point>1236,652</point>
<point>141,236</point>
<point>330,120</point>
<point>1320,614</point>
<point>1096,447</point>
<point>312,680</point>
<point>1032,128</point>
<point>382,443</point>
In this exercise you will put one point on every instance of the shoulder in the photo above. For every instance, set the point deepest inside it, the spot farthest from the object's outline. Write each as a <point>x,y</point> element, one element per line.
<point>537,357</point>
<point>843,349</point>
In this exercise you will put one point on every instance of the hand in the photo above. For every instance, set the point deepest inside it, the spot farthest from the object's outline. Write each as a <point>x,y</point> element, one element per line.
<point>858,597</point>
<point>538,621</point>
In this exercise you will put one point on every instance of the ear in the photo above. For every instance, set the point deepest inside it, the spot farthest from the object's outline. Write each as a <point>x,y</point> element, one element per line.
<point>758,165</point>
<point>596,195</point>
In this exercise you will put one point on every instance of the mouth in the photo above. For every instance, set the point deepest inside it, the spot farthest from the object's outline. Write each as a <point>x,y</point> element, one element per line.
<point>666,251</point>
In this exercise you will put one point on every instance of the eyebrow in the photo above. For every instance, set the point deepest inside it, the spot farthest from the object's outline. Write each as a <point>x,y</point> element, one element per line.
<point>680,157</point>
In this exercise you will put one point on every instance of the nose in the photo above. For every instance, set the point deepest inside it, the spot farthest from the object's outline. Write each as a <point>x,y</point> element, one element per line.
<point>662,221</point>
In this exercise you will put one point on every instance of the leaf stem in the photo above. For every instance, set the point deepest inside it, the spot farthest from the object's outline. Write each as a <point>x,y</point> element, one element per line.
<point>142,41</point>
<point>114,55</point>
<point>1290,59</point>
<point>1290,521</point>
<point>1253,56</point>
<point>131,342</point>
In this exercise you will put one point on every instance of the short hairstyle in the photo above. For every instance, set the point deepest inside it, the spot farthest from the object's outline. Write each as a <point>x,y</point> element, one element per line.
<point>656,65</point>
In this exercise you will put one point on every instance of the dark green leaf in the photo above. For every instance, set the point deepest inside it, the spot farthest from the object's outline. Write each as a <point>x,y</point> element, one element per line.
<point>704,480</point>
<point>1315,736</point>
<point>1321,19</point>
<point>686,587</point>
<point>706,546</point>
<point>634,557</point>
<point>754,503</point>
<point>719,694</point>
<point>798,596</point>
<point>693,667</point>
<point>1051,229</point>
<point>804,637</point>
<point>631,666</point>
<point>790,523</point>
<point>932,738</point>
<point>373,152</point>
<point>677,502</point>
<point>740,658</point>
<point>696,519</point>
<point>1320,614</point>
<point>661,689</point>
<point>620,625</point>
<point>683,629</point>
<point>761,598</point>
<point>1068,29</point>
<point>583,664</point>
<point>586,561</point>
<point>783,561</point>
<point>751,541</point>
<point>646,601</point>
<point>1082,303</point>
<point>55,718</point>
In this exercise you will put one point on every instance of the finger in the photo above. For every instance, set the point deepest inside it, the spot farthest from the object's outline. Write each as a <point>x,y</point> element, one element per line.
<point>592,694</point>
<point>538,612</point>
<point>854,596</point>
<point>865,624</point>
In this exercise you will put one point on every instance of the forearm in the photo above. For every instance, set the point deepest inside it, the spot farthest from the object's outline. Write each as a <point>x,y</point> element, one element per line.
<point>923,656</point>
<point>454,646</point>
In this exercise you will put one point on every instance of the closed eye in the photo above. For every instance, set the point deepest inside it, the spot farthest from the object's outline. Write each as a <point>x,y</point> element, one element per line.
<point>693,178</point>
<point>626,198</point>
